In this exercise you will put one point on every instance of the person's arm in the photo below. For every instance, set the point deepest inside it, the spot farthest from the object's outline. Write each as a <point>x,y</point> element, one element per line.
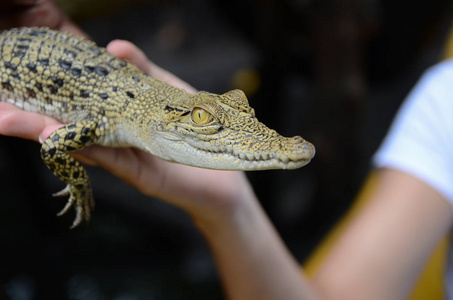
<point>251,258</point>
<point>384,250</point>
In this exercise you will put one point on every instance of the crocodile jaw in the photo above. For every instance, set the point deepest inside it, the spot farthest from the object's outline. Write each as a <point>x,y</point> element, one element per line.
<point>228,157</point>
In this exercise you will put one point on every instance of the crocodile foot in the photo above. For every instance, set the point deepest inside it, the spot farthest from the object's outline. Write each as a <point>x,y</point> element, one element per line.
<point>80,196</point>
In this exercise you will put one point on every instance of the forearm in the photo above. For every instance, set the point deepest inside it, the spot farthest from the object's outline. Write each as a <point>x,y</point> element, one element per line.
<point>383,250</point>
<point>252,260</point>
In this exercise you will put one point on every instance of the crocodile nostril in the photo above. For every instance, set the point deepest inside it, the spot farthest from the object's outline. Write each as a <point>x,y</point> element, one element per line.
<point>297,140</point>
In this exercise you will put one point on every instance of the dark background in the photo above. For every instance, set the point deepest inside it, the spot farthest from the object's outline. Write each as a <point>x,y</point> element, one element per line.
<point>333,71</point>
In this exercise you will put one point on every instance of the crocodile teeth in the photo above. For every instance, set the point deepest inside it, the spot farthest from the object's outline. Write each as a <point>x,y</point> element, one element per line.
<point>283,158</point>
<point>250,156</point>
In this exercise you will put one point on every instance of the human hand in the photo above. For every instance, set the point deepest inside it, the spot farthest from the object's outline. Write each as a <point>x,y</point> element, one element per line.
<point>203,193</point>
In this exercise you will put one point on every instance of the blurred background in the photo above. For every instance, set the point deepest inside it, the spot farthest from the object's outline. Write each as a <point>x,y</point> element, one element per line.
<point>333,71</point>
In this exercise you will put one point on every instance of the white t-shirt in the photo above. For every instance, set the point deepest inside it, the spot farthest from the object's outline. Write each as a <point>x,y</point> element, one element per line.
<point>420,141</point>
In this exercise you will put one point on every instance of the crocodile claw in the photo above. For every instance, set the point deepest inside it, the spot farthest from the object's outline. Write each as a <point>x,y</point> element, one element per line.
<point>83,200</point>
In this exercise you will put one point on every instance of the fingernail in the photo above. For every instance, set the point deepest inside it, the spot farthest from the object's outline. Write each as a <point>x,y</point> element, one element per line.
<point>41,141</point>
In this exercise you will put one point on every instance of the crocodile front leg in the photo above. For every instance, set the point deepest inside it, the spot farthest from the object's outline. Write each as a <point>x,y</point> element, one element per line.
<point>54,152</point>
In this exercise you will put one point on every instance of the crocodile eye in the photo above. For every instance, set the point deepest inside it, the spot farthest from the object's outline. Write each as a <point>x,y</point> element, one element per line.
<point>200,116</point>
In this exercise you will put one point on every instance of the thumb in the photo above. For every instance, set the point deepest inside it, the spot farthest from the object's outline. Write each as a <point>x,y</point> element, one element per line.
<point>48,131</point>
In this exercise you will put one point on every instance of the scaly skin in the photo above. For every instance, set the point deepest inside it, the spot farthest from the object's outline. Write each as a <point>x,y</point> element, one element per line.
<point>107,101</point>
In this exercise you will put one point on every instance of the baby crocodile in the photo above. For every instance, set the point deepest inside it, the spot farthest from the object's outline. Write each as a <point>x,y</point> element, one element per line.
<point>107,101</point>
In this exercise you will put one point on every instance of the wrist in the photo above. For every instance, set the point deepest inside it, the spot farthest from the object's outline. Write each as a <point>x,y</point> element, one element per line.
<point>227,206</point>
<point>235,213</point>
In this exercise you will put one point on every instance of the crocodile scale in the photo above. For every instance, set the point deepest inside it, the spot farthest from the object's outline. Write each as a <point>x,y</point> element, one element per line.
<point>107,101</point>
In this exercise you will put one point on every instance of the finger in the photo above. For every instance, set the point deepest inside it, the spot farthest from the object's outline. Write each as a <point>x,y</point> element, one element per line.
<point>157,72</point>
<point>128,51</point>
<point>131,165</point>
<point>48,131</point>
<point>23,124</point>
<point>85,156</point>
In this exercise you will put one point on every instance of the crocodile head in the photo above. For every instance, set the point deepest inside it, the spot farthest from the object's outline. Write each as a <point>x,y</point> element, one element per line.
<point>222,132</point>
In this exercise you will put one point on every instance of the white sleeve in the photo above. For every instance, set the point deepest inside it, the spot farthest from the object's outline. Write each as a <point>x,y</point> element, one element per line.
<point>420,141</point>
